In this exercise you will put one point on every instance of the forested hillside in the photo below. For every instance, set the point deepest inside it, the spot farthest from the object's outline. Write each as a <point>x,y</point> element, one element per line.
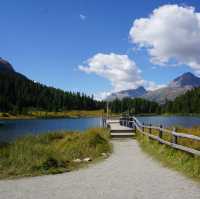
<point>19,94</point>
<point>184,104</point>
<point>187,103</point>
<point>134,106</point>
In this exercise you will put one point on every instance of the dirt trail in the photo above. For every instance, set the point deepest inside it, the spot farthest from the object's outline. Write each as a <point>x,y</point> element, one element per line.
<point>129,173</point>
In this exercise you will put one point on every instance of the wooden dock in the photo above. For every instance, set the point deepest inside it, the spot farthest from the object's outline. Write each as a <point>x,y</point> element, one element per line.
<point>117,130</point>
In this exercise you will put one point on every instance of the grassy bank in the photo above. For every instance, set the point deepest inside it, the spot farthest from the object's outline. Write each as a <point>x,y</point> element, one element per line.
<point>61,114</point>
<point>52,153</point>
<point>181,161</point>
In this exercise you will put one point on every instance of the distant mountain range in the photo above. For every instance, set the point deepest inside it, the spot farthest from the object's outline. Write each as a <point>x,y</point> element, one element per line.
<point>132,93</point>
<point>178,86</point>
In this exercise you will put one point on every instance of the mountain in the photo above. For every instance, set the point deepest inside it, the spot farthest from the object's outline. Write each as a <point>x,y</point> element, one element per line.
<point>132,93</point>
<point>5,66</point>
<point>178,86</point>
<point>7,69</point>
<point>187,79</point>
<point>18,94</point>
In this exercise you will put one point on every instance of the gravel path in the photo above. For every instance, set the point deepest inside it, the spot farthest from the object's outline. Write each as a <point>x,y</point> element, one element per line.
<point>127,174</point>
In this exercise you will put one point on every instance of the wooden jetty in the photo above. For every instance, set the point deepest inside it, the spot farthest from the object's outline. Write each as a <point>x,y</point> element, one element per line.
<point>117,130</point>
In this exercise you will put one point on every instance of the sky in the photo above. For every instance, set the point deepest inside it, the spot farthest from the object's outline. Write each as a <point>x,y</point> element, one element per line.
<point>98,47</point>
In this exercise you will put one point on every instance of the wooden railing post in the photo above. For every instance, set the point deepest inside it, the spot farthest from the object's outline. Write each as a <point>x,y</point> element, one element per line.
<point>174,137</point>
<point>124,120</point>
<point>160,132</point>
<point>134,125</point>
<point>149,128</point>
<point>143,126</point>
<point>131,122</point>
<point>127,121</point>
<point>135,129</point>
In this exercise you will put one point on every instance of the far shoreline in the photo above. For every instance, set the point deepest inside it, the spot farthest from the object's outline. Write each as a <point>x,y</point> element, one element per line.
<point>75,114</point>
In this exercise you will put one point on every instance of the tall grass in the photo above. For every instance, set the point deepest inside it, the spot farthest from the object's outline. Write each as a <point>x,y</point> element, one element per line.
<point>51,153</point>
<point>181,161</point>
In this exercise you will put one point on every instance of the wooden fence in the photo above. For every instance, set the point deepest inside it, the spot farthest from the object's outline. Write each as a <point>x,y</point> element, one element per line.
<point>134,123</point>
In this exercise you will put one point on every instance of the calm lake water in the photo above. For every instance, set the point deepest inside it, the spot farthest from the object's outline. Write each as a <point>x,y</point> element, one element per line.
<point>13,129</point>
<point>168,121</point>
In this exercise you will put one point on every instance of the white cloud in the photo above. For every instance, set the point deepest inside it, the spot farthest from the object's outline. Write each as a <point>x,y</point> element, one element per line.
<point>120,70</point>
<point>82,17</point>
<point>170,34</point>
<point>150,85</point>
<point>101,95</point>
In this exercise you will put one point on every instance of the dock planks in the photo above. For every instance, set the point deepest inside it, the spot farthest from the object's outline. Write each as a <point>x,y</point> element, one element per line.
<point>118,131</point>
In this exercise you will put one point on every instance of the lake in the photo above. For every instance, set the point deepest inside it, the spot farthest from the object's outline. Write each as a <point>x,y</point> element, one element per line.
<point>12,129</point>
<point>168,121</point>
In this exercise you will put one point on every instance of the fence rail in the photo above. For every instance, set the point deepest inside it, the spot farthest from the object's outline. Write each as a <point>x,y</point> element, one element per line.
<point>134,123</point>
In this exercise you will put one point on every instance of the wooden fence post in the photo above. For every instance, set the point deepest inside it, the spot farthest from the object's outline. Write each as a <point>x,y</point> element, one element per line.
<point>149,128</point>
<point>161,132</point>
<point>131,122</point>
<point>123,121</point>
<point>127,124</point>
<point>135,129</point>
<point>174,137</point>
<point>143,126</point>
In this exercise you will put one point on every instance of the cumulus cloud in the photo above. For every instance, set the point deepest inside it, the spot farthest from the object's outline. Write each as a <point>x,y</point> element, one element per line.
<point>171,34</point>
<point>120,70</point>
<point>150,85</point>
<point>101,95</point>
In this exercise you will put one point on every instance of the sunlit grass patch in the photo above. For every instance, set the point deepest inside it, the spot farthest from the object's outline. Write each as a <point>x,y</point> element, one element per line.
<point>181,161</point>
<point>52,152</point>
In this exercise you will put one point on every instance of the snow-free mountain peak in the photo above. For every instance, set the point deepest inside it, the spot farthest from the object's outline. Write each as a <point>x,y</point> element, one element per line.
<point>5,66</point>
<point>132,93</point>
<point>186,79</point>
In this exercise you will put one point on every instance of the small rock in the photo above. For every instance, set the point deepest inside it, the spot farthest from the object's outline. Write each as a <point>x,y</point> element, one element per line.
<point>77,161</point>
<point>104,154</point>
<point>87,159</point>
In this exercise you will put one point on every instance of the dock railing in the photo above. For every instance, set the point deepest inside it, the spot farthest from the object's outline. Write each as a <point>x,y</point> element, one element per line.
<point>162,135</point>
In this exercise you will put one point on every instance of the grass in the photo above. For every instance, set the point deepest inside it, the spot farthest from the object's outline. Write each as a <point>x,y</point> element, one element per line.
<point>61,114</point>
<point>51,153</point>
<point>181,161</point>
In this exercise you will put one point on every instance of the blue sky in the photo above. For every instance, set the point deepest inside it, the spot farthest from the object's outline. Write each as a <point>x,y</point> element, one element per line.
<point>48,40</point>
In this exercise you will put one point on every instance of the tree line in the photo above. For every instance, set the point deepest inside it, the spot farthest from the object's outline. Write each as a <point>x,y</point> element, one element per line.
<point>134,106</point>
<point>19,94</point>
<point>184,104</point>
